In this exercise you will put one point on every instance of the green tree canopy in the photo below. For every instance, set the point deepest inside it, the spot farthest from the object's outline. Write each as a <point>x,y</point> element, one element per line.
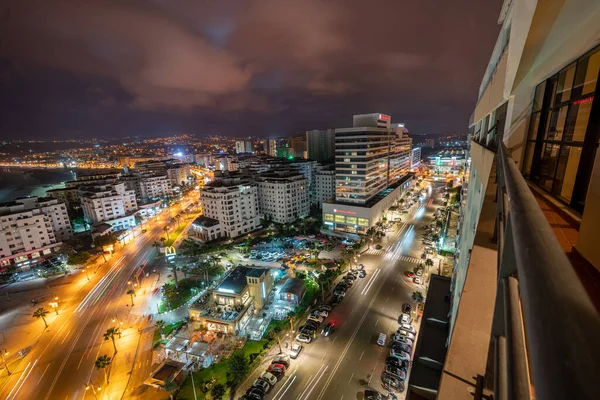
<point>238,368</point>
<point>78,258</point>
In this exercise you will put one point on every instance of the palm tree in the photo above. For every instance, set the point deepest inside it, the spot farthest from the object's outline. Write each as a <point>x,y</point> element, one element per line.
<point>178,217</point>
<point>160,324</point>
<point>41,313</point>
<point>139,220</point>
<point>156,245</point>
<point>111,333</point>
<point>131,293</point>
<point>173,220</point>
<point>101,363</point>
<point>166,229</point>
<point>163,240</point>
<point>429,262</point>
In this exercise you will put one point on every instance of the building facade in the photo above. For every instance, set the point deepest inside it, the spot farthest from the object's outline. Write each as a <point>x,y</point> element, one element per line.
<point>243,146</point>
<point>32,227</point>
<point>112,204</point>
<point>416,158</point>
<point>320,145</point>
<point>324,187</point>
<point>283,196</point>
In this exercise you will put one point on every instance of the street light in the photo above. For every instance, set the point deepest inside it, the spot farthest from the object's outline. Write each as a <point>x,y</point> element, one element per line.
<point>54,304</point>
<point>2,354</point>
<point>90,385</point>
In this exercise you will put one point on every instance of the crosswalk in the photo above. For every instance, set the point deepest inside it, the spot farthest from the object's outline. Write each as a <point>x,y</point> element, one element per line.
<point>392,256</point>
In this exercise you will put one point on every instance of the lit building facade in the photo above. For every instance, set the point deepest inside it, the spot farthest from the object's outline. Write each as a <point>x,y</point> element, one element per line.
<point>113,204</point>
<point>283,196</point>
<point>320,145</point>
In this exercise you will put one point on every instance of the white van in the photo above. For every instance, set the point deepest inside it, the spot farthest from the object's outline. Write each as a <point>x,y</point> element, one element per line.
<point>382,339</point>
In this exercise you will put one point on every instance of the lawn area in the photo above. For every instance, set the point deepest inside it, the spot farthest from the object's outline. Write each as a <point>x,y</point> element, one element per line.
<point>217,371</point>
<point>167,331</point>
<point>173,236</point>
<point>174,298</point>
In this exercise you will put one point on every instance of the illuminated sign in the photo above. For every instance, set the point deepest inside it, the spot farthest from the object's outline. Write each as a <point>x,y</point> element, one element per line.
<point>384,117</point>
<point>328,223</point>
<point>583,100</point>
<point>344,212</point>
<point>225,290</point>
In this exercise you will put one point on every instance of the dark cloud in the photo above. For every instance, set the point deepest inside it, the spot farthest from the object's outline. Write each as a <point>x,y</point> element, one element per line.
<point>259,67</point>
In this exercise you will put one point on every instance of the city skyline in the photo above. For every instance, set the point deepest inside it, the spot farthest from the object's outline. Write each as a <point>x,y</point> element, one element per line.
<point>266,68</point>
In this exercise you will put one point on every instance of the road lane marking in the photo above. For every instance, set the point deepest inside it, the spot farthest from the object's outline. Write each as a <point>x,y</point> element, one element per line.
<point>21,385</point>
<point>366,289</point>
<point>310,381</point>
<point>361,355</point>
<point>289,386</point>
<point>351,376</point>
<point>333,340</point>
<point>39,380</point>
<point>376,322</point>
<point>315,384</point>
<point>19,380</point>
<point>66,336</point>
<point>322,358</point>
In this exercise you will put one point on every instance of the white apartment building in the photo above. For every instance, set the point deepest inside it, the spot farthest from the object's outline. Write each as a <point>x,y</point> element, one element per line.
<point>148,187</point>
<point>243,146</point>
<point>324,188</point>
<point>283,196</point>
<point>113,204</point>
<point>233,202</point>
<point>179,174</point>
<point>416,158</point>
<point>227,164</point>
<point>31,227</point>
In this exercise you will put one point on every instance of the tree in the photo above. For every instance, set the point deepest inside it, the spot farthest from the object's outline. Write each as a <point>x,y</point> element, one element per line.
<point>156,245</point>
<point>218,391</point>
<point>166,229</point>
<point>109,239</point>
<point>450,184</point>
<point>160,324</point>
<point>238,368</point>
<point>110,334</point>
<point>429,262</point>
<point>131,293</point>
<point>101,363</point>
<point>178,217</point>
<point>78,258</point>
<point>41,313</point>
<point>139,220</point>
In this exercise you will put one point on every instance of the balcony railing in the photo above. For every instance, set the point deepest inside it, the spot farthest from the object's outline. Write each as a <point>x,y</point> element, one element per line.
<point>545,331</point>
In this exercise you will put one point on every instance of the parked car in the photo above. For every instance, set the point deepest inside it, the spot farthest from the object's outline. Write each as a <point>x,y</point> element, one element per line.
<point>278,366</point>
<point>402,339</point>
<point>408,328</point>
<point>269,377</point>
<point>315,318</point>
<point>348,282</point>
<point>360,267</point>
<point>417,280</point>
<point>350,276</point>
<point>391,382</point>
<point>402,332</point>
<point>401,355</point>
<point>328,329</point>
<point>282,359</point>
<point>394,370</point>
<point>406,308</point>
<point>404,318</point>
<point>324,307</point>
<point>372,395</point>
<point>382,339</point>
<point>304,338</point>
<point>336,300</point>
<point>276,372</point>
<point>255,393</point>
<point>410,274</point>
<point>395,363</point>
<point>378,246</point>
<point>402,347</point>
<point>262,384</point>
<point>295,350</point>
<point>321,313</point>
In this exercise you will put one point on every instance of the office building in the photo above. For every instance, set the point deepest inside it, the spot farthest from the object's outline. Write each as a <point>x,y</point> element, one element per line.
<point>372,164</point>
<point>297,147</point>
<point>320,145</point>
<point>535,130</point>
<point>30,228</point>
<point>283,195</point>
<point>243,146</point>
<point>233,202</point>
<point>112,204</point>
<point>416,158</point>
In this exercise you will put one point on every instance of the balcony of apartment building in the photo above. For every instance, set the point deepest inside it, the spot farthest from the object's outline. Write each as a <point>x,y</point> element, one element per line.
<point>524,312</point>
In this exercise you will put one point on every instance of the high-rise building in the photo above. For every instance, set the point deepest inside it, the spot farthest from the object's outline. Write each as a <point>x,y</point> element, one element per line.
<point>298,146</point>
<point>243,146</point>
<point>113,204</point>
<point>32,227</point>
<point>527,251</point>
<point>283,195</point>
<point>372,164</point>
<point>324,186</point>
<point>416,158</point>
<point>320,145</point>
<point>231,201</point>
<point>276,147</point>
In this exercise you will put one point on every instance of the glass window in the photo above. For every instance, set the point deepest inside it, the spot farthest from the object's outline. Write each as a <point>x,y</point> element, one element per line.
<point>591,74</point>
<point>528,158</point>
<point>363,222</point>
<point>351,220</point>
<point>533,127</point>
<point>340,218</point>
<point>548,165</point>
<point>328,217</point>
<point>577,122</point>
<point>557,124</point>
<point>565,84</point>
<point>539,96</point>
<point>566,172</point>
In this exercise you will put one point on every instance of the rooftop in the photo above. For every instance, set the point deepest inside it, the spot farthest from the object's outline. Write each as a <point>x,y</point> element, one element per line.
<point>205,222</point>
<point>236,280</point>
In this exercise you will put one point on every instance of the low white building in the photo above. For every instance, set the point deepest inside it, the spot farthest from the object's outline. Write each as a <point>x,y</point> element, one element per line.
<point>31,227</point>
<point>324,186</point>
<point>283,196</point>
<point>233,202</point>
<point>113,204</point>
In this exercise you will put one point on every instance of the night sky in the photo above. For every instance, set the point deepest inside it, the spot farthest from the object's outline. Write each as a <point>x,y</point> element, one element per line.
<point>74,69</point>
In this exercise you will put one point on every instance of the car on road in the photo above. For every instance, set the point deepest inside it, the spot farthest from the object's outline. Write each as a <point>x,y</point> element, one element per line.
<point>295,350</point>
<point>269,377</point>
<point>304,338</point>
<point>391,382</point>
<point>404,318</point>
<point>408,328</point>
<point>378,246</point>
<point>252,395</point>
<point>328,329</point>
<point>406,308</point>
<point>282,359</point>
<point>262,384</point>
<point>382,339</point>
<point>419,271</point>
<point>409,274</point>
<point>362,274</point>
<point>417,280</point>
<point>401,355</point>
